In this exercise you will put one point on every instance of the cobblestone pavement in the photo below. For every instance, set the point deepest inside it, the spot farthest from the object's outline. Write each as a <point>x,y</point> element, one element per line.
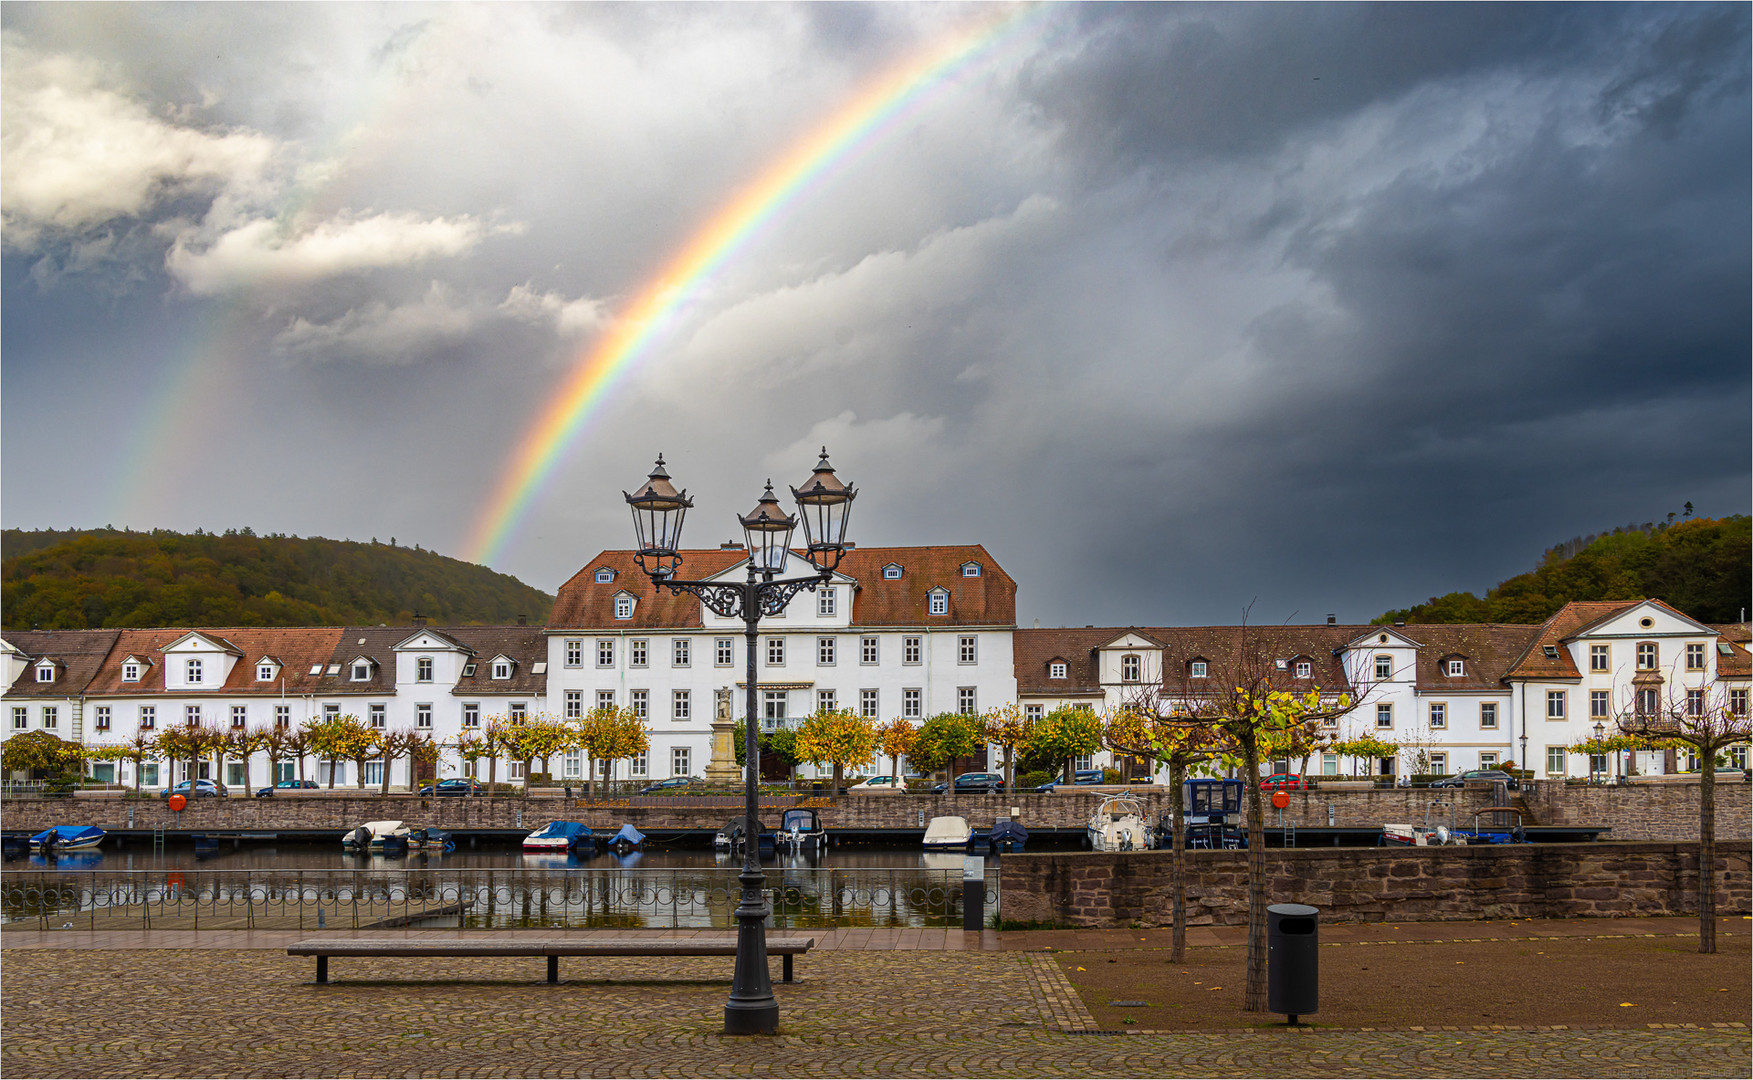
<point>218,1012</point>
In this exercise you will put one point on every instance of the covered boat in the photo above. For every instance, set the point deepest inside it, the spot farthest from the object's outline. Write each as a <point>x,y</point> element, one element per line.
<point>430,840</point>
<point>625,840</point>
<point>1007,835</point>
<point>559,836</point>
<point>729,839</point>
<point>800,829</point>
<point>67,838</point>
<point>947,832</point>
<point>377,837</point>
<point>1118,825</point>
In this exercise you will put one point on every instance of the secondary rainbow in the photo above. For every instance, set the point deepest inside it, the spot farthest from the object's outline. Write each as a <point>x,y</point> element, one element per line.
<point>874,110</point>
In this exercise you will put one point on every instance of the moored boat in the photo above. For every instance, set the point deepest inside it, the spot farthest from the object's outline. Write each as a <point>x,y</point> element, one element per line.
<point>377,837</point>
<point>430,840</point>
<point>559,836</point>
<point>625,840</point>
<point>67,838</point>
<point>800,829</point>
<point>947,832</point>
<point>1118,825</point>
<point>1007,835</point>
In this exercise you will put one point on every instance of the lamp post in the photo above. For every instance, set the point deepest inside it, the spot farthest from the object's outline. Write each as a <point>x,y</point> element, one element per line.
<point>1600,735</point>
<point>824,504</point>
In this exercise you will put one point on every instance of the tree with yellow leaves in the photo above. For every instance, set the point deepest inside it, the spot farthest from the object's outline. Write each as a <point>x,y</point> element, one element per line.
<point>1006,726</point>
<point>1065,734</point>
<point>838,737</point>
<point>895,738</point>
<point>527,738</point>
<point>612,732</point>
<point>470,748</point>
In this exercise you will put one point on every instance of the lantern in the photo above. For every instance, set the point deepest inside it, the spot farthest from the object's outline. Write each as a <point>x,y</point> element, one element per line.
<point>824,503</point>
<point>658,510</point>
<point>767,530</point>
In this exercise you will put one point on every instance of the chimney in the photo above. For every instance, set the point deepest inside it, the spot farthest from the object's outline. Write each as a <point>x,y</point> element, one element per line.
<point>523,620</point>
<point>419,619</point>
<point>1400,622</point>
<point>730,545</point>
<point>1332,620</point>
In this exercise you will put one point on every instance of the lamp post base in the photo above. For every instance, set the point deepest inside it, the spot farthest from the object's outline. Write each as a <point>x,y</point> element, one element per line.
<point>752,1008</point>
<point>752,1018</point>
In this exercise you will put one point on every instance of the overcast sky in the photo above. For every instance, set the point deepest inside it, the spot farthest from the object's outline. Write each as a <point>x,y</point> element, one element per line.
<point>1174,308</point>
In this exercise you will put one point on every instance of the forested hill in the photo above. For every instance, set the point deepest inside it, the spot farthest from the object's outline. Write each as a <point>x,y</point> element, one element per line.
<point>56,580</point>
<point>1700,566</point>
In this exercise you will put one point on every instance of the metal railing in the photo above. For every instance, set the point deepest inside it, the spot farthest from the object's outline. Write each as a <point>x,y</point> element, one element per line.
<point>819,897</point>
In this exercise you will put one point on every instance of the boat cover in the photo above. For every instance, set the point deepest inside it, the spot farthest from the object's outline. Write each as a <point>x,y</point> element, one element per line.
<point>1007,830</point>
<point>627,834</point>
<point>801,820</point>
<point>67,834</point>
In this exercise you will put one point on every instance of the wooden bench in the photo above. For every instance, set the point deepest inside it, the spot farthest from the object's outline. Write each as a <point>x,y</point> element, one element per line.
<point>552,948</point>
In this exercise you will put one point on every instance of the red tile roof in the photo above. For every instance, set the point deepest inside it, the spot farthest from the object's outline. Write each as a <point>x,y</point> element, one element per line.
<point>80,653</point>
<point>296,648</point>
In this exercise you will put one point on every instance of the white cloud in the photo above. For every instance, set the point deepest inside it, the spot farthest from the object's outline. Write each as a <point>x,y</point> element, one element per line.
<point>383,332</point>
<point>567,317</point>
<point>77,154</point>
<point>263,251</point>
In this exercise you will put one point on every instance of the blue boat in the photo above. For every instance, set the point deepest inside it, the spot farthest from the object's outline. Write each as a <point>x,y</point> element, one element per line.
<point>1007,835</point>
<point>625,840</point>
<point>559,836</point>
<point>67,838</point>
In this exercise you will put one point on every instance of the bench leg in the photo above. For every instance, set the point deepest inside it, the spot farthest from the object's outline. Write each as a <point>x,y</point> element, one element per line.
<point>786,967</point>
<point>322,969</point>
<point>553,969</point>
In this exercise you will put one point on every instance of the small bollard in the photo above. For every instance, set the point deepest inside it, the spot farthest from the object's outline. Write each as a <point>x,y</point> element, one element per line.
<point>321,922</point>
<point>973,893</point>
<point>1293,974</point>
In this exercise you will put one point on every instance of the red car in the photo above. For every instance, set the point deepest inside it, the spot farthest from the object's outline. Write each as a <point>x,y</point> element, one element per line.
<point>1282,782</point>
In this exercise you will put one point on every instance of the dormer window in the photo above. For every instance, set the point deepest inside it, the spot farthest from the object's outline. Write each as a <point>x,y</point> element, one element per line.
<point>939,603</point>
<point>605,576</point>
<point>970,569</point>
<point>1131,668</point>
<point>1197,669</point>
<point>265,672</point>
<point>45,672</point>
<point>1056,669</point>
<point>423,669</point>
<point>1456,668</point>
<point>361,670</point>
<point>130,672</point>
<point>502,669</point>
<point>892,572</point>
<point>1551,651</point>
<point>623,606</point>
<point>468,671</point>
<point>1304,669</point>
<point>192,671</point>
<point>1384,667</point>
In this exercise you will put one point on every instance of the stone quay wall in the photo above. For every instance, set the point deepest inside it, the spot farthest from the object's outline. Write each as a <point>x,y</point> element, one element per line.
<point>1522,881</point>
<point>1652,810</point>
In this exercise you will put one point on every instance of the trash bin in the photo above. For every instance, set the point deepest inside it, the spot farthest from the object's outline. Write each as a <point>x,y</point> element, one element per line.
<point>1292,964</point>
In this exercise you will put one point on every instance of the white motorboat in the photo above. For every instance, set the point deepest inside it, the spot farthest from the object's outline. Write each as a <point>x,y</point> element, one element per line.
<point>377,837</point>
<point>947,832</point>
<point>1118,825</point>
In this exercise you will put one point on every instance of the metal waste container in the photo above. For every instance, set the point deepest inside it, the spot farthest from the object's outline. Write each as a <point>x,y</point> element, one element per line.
<point>1292,964</point>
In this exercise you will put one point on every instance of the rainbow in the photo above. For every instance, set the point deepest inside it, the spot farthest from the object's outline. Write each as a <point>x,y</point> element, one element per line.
<point>875,110</point>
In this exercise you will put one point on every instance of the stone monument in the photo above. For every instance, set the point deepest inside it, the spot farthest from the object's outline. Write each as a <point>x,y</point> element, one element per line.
<point>723,767</point>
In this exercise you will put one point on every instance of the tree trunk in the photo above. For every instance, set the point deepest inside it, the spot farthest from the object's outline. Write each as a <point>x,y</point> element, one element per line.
<point>331,774</point>
<point>1009,769</point>
<point>388,762</point>
<point>1707,852</point>
<point>1255,997</point>
<point>839,776</point>
<point>1178,867</point>
<point>1070,770</point>
<point>492,772</point>
<point>526,777</point>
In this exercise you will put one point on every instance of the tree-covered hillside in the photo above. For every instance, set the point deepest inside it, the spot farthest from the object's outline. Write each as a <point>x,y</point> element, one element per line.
<point>1700,566</point>
<point>56,580</point>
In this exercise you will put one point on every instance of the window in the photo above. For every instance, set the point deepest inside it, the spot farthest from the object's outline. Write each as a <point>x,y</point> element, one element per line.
<point>1551,651</point>
<point>910,704</point>
<point>1488,714</point>
<point>1056,670</point>
<point>967,650</point>
<point>264,672</point>
<point>1034,712</point>
<point>148,716</point>
<point>51,716</point>
<point>605,652</point>
<point>825,601</point>
<point>1198,669</point>
<point>1555,709</point>
<point>516,711</point>
<point>1384,667</point>
<point>721,652</point>
<point>971,569</point>
<point>827,700</point>
<point>1557,760</point>
<point>825,651</point>
<point>965,701</point>
<point>573,765</point>
<point>910,650</point>
<point>240,716</point>
<point>940,603</point>
<point>1439,762</point>
<point>423,669</point>
<point>892,572</point>
<point>639,764</point>
<point>636,653</point>
<point>1304,669</point>
<point>1488,759</point>
<point>192,715</point>
<point>1598,658</point>
<point>1439,716</point>
<point>605,576</point>
<point>775,652</point>
<point>1084,762</point>
<point>1646,656</point>
<point>574,652</point>
<point>605,699</point>
<point>623,607</point>
<point>679,761</point>
<point>331,710</point>
<point>1384,716</point>
<point>1694,657</point>
<point>1647,702</point>
<point>867,704</point>
<point>1457,668</point>
<point>1330,722</point>
<point>21,718</point>
<point>1695,703</point>
<point>282,716</point>
<point>515,772</point>
<point>191,671</point>
<point>373,772</point>
<point>574,704</point>
<point>773,708</point>
<point>1600,703</point>
<point>638,701</point>
<point>471,715</point>
<point>1738,702</point>
<point>131,672</point>
<point>868,650</point>
<point>502,669</point>
<point>1130,666</point>
<point>1329,764</point>
<point>423,716</point>
<point>681,704</point>
<point>1738,757</point>
<point>468,671</point>
<point>681,652</point>
<point>102,719</point>
<point>361,670</point>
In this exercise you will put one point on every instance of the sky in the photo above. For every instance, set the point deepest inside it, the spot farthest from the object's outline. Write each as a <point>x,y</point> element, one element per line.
<point>1181,311</point>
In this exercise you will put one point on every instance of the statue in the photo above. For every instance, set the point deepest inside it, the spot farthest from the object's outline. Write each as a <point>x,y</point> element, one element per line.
<point>722,768</point>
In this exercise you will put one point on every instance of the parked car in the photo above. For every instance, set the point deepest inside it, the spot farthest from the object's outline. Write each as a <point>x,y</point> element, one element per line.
<point>880,783</point>
<point>268,792</point>
<point>972,782</point>
<point>456,785</point>
<point>1282,782</point>
<point>672,784</point>
<point>1087,776</point>
<point>1484,775</point>
<point>204,789</point>
<point>1044,789</point>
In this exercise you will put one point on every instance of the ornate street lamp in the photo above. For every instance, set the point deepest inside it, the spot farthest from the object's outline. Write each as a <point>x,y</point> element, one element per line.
<point>1600,733</point>
<point>823,502</point>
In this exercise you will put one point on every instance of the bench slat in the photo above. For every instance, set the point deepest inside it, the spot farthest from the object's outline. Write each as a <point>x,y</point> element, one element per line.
<point>466,947</point>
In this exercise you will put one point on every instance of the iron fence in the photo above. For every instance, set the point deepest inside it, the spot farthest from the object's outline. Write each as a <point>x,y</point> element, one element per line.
<point>813,897</point>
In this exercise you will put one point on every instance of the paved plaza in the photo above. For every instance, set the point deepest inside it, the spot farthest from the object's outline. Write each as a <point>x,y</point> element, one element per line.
<point>868,1003</point>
